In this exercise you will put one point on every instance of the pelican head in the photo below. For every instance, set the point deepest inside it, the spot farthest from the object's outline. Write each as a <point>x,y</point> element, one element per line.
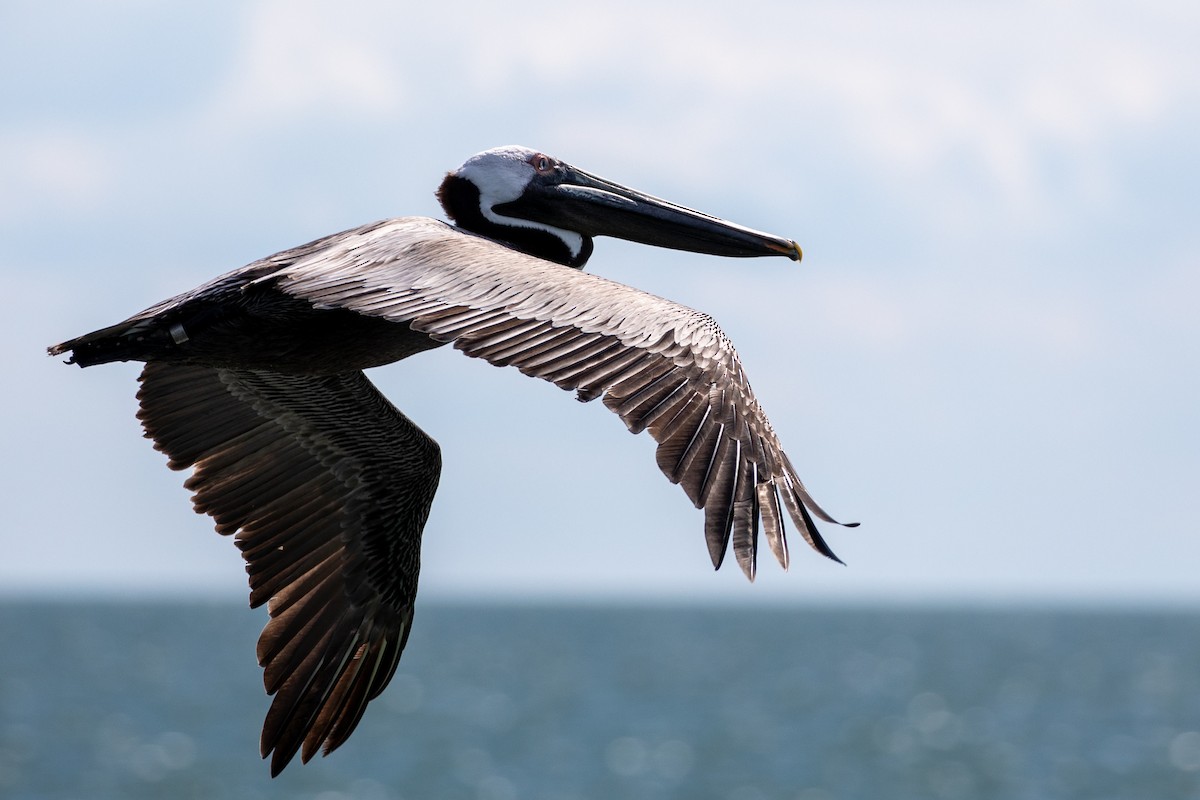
<point>548,208</point>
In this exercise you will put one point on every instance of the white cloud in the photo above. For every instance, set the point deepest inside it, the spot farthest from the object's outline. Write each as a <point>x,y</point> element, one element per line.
<point>295,60</point>
<point>1009,111</point>
<point>995,93</point>
<point>50,172</point>
<point>932,99</point>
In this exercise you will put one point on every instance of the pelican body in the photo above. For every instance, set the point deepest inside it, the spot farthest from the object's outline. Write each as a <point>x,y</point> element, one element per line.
<point>254,382</point>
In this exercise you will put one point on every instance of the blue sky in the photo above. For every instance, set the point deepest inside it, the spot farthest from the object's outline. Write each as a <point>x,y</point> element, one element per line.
<point>988,355</point>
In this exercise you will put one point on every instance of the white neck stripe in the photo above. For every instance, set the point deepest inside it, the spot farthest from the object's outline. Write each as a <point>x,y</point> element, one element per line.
<point>572,239</point>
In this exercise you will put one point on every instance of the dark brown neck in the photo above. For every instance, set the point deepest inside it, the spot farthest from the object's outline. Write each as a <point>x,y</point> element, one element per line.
<point>460,199</point>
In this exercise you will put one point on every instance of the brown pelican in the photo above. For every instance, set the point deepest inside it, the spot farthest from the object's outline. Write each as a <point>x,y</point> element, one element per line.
<point>254,381</point>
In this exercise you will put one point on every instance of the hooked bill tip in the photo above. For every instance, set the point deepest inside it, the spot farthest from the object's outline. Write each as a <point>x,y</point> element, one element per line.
<point>786,247</point>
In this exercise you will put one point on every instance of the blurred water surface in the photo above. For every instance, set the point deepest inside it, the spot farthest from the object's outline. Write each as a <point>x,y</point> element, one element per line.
<point>114,699</point>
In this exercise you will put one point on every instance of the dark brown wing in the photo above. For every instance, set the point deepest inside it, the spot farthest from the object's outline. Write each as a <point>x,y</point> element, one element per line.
<point>328,488</point>
<point>661,366</point>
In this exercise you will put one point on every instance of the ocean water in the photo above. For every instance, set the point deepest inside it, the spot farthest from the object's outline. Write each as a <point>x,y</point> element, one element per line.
<point>146,699</point>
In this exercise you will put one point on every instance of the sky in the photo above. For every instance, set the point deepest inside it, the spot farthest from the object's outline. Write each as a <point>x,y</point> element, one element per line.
<point>988,355</point>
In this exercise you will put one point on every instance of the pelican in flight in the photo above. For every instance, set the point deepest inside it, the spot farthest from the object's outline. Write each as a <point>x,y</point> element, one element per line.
<point>255,382</point>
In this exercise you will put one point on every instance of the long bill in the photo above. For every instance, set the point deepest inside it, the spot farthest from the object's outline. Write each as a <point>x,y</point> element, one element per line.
<point>578,201</point>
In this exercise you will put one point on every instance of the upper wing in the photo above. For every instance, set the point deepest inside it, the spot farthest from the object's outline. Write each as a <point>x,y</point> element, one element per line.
<point>659,365</point>
<point>328,487</point>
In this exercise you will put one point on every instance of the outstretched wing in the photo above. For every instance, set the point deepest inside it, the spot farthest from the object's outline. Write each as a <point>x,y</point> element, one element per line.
<point>328,488</point>
<point>661,366</point>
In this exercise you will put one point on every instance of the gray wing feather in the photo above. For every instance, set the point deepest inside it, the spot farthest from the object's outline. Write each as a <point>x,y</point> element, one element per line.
<point>660,366</point>
<point>327,487</point>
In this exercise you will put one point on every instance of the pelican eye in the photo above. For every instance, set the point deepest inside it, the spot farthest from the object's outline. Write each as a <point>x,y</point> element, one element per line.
<point>542,163</point>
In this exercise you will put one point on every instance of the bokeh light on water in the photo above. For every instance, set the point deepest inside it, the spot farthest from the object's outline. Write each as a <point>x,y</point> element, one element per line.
<point>141,700</point>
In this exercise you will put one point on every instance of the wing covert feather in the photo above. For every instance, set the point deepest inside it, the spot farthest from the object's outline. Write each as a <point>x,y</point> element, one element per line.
<point>657,364</point>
